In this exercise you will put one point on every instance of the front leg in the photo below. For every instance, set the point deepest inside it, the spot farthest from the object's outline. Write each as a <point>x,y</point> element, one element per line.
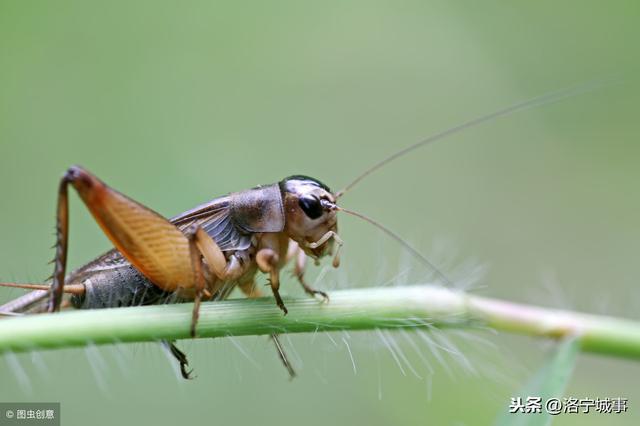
<point>268,260</point>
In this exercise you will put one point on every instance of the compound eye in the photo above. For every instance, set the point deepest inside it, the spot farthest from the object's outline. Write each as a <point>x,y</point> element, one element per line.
<point>311,207</point>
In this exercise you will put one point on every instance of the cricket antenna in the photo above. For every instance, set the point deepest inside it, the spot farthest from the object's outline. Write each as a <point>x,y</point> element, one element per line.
<point>399,239</point>
<point>545,99</point>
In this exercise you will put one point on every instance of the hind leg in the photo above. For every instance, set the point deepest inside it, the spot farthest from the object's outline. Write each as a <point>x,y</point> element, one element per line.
<point>166,256</point>
<point>202,245</point>
<point>156,247</point>
<point>180,356</point>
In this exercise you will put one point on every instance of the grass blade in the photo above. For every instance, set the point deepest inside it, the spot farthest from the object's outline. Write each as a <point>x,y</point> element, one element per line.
<point>549,382</point>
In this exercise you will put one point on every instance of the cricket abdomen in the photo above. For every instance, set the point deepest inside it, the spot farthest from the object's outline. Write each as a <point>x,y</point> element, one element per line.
<point>111,282</point>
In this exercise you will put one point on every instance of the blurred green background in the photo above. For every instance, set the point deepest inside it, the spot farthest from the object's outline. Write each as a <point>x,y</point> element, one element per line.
<point>175,103</point>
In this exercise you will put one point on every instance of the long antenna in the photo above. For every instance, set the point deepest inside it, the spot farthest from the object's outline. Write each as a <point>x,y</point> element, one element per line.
<point>399,239</point>
<point>520,106</point>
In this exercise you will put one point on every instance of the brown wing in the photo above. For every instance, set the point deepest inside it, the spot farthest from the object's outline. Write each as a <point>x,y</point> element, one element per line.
<point>215,218</point>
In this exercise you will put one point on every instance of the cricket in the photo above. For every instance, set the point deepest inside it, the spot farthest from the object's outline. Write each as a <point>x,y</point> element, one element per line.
<point>206,252</point>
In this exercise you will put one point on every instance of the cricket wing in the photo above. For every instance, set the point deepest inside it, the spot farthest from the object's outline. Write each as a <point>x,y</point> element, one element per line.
<point>215,219</point>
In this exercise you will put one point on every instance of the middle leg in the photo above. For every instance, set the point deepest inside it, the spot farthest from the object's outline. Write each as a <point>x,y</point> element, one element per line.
<point>268,260</point>
<point>250,289</point>
<point>202,245</point>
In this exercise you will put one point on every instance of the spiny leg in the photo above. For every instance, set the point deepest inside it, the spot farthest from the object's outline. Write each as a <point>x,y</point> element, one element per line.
<point>152,244</point>
<point>180,356</point>
<point>252,291</point>
<point>62,240</point>
<point>157,248</point>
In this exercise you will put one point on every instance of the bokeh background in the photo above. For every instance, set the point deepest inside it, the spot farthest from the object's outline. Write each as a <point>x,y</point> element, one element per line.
<point>175,103</point>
